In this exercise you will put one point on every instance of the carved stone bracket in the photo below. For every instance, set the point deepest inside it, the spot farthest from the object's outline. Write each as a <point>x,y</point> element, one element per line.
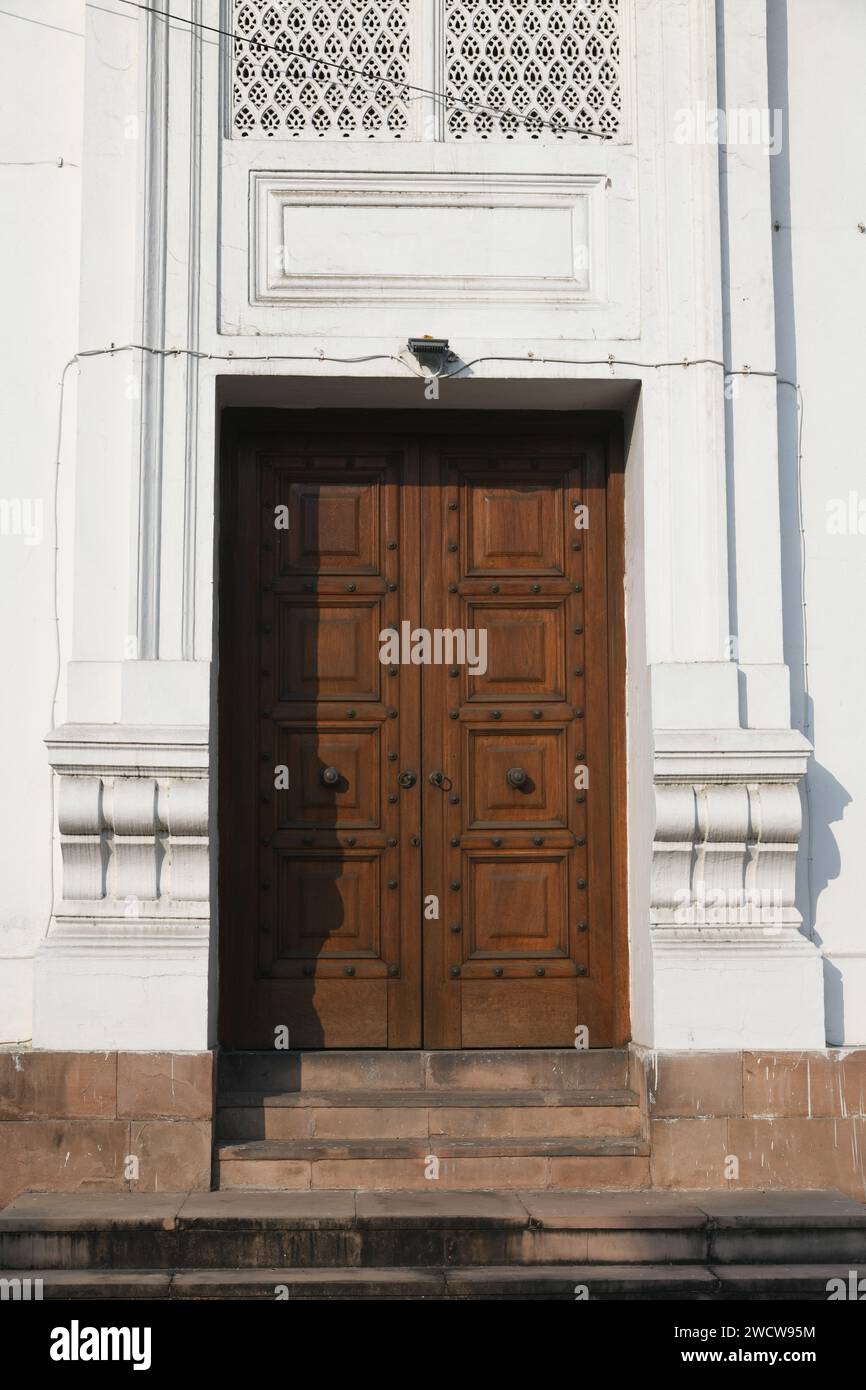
<point>725,854</point>
<point>132,819</point>
<point>732,965</point>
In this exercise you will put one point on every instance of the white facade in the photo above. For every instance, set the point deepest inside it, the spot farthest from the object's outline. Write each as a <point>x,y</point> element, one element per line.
<point>571,274</point>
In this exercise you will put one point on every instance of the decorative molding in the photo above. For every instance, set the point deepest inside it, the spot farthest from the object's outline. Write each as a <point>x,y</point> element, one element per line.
<point>297,215</point>
<point>722,755</point>
<point>133,840</point>
<point>154,254</point>
<point>727,831</point>
<point>133,820</point>
<point>129,750</point>
<point>103,936</point>
<point>191,447</point>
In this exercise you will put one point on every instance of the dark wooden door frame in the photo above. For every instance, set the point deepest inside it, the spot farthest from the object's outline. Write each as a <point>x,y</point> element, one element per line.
<point>596,429</point>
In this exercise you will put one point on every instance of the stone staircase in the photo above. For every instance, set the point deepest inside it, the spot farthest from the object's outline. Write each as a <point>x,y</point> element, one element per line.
<point>438,1175</point>
<point>367,1121</point>
<point>434,1245</point>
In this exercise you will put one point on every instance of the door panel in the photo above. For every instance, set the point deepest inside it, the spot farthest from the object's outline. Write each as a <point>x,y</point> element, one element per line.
<point>525,650</point>
<point>489,758</point>
<point>414,783</point>
<point>327,648</point>
<point>507,834</point>
<point>320,879</point>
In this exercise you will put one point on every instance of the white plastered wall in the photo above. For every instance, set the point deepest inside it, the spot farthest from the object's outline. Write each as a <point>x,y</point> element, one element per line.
<point>41,98</point>
<point>166,260</point>
<point>819,204</point>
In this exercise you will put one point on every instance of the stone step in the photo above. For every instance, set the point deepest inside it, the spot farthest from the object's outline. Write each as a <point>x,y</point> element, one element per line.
<point>542,1069</point>
<point>60,1233</point>
<point>559,1283</point>
<point>425,1114</point>
<point>467,1164</point>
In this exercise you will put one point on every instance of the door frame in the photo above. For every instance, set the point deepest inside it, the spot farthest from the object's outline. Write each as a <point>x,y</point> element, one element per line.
<point>603,429</point>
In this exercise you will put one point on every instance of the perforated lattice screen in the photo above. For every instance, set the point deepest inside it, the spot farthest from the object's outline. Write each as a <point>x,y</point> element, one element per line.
<point>318,68</point>
<point>549,65</point>
<point>508,69</point>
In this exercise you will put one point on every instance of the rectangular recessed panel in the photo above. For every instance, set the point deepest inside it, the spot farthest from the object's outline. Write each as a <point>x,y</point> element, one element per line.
<point>386,240</point>
<point>525,651</point>
<point>516,777</point>
<point>329,651</point>
<point>514,527</point>
<point>333,526</point>
<point>517,906</point>
<point>313,757</point>
<point>427,237</point>
<point>326,907</point>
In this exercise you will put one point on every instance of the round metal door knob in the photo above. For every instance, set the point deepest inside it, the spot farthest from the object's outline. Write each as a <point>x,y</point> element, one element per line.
<point>407,779</point>
<point>329,776</point>
<point>516,777</point>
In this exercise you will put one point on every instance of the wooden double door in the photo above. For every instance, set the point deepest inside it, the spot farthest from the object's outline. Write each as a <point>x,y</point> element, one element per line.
<point>415,731</point>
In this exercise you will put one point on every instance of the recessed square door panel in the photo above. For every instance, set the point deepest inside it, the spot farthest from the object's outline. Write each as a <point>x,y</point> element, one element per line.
<point>333,524</point>
<point>313,758</point>
<point>525,651</point>
<point>518,907</point>
<point>327,650</point>
<point>515,776</point>
<point>327,906</point>
<point>513,527</point>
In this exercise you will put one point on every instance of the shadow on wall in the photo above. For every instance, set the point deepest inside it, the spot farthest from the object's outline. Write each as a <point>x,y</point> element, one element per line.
<point>824,798</point>
<point>825,804</point>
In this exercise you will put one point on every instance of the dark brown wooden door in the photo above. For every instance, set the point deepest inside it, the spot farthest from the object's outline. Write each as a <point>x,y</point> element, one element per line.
<point>416,852</point>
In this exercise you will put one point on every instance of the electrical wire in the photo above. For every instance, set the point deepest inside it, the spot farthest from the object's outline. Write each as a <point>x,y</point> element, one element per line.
<point>283,51</point>
<point>610,361</point>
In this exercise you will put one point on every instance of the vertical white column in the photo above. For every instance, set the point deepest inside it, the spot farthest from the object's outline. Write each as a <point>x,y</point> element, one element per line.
<point>686,523</point>
<point>749,135</point>
<point>730,966</point>
<point>126,959</point>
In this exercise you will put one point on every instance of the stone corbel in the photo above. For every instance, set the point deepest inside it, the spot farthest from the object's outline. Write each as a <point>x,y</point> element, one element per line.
<point>728,821</point>
<point>132,818</point>
<point>731,963</point>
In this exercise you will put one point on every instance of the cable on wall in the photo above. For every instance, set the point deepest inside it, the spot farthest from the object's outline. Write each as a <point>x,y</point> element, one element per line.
<point>610,361</point>
<point>284,51</point>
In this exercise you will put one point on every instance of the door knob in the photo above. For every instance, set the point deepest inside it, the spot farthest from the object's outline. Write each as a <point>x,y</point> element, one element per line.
<point>407,779</point>
<point>329,776</point>
<point>437,778</point>
<point>515,777</point>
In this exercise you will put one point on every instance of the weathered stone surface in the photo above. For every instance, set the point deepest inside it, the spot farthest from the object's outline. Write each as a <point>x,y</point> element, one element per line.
<point>61,1155</point>
<point>172,1154</point>
<point>54,1085</point>
<point>696,1084</point>
<point>165,1085</point>
<point>689,1153</point>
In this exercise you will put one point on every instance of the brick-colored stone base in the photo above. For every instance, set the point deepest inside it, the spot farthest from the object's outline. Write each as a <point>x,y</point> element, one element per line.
<point>86,1121</point>
<point>723,1120</point>
<point>734,1120</point>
